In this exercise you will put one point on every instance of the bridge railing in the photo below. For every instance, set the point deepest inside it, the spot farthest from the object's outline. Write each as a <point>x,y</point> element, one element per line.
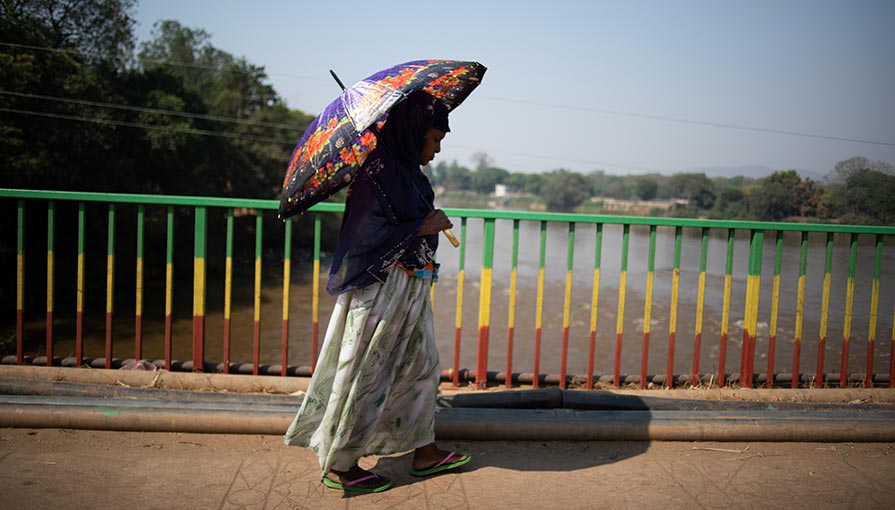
<point>694,252</point>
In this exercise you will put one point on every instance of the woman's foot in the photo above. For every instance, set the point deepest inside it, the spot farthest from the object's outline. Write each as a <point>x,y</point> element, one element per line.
<point>429,459</point>
<point>356,479</point>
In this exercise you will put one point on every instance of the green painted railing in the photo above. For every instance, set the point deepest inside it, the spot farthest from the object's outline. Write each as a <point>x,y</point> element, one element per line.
<point>495,239</point>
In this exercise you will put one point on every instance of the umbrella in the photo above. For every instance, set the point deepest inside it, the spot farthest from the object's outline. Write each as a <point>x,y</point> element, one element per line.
<point>336,143</point>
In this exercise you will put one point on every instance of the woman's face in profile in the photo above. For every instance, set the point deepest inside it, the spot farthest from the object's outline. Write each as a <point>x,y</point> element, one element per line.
<point>431,145</point>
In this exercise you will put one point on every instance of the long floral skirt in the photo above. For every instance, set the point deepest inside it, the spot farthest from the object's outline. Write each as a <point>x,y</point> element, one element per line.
<point>374,387</point>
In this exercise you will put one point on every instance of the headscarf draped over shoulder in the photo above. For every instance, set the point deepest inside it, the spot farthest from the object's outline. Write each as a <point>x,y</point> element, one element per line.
<point>388,200</point>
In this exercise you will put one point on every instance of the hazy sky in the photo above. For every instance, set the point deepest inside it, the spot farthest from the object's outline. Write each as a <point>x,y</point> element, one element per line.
<point>623,86</point>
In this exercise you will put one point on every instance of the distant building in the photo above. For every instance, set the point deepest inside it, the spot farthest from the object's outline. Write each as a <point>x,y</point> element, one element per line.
<point>614,204</point>
<point>500,190</point>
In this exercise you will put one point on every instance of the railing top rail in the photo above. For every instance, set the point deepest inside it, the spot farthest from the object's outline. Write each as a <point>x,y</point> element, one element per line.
<point>669,222</point>
<point>463,213</point>
<point>122,198</point>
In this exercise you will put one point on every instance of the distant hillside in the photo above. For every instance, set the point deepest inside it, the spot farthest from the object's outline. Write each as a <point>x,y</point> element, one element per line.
<point>755,172</point>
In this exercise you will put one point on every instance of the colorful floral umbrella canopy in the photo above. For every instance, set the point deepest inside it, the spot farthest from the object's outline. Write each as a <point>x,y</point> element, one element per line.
<point>337,142</point>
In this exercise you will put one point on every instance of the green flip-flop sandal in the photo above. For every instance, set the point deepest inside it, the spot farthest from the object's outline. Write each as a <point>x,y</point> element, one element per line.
<point>444,465</point>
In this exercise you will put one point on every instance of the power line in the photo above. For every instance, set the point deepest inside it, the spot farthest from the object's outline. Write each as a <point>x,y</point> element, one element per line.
<point>570,160</point>
<point>686,121</point>
<point>155,110</point>
<point>204,132</point>
<point>577,108</point>
<point>148,126</point>
<point>147,60</point>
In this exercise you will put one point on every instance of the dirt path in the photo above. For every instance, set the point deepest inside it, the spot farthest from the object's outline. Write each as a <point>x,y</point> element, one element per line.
<point>61,469</point>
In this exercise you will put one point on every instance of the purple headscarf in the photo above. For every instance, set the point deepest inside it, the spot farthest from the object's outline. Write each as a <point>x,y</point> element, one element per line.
<point>405,130</point>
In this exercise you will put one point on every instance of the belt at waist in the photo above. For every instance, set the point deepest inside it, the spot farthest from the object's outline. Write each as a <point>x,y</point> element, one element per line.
<point>429,272</point>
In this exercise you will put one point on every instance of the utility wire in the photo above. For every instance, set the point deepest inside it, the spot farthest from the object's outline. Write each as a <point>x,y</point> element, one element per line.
<point>157,111</point>
<point>577,108</point>
<point>569,160</point>
<point>149,126</point>
<point>147,60</point>
<point>686,121</point>
<point>274,140</point>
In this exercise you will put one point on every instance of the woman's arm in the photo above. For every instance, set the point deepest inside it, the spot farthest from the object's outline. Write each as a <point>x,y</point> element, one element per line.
<point>434,222</point>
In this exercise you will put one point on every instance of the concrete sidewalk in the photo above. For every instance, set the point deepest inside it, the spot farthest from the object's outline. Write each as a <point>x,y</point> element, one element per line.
<point>62,469</point>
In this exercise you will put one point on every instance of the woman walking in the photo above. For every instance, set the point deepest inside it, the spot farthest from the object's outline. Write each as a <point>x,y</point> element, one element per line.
<point>373,391</point>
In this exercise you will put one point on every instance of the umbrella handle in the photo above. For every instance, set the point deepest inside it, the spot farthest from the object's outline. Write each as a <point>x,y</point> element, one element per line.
<point>451,238</point>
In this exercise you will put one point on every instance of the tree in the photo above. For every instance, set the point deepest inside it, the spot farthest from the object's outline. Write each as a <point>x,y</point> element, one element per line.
<point>186,52</point>
<point>242,91</point>
<point>646,188</point>
<point>453,176</point>
<point>534,183</point>
<point>484,179</point>
<point>565,190</point>
<point>230,87</point>
<point>778,196</point>
<point>730,204</point>
<point>880,202</point>
<point>515,181</point>
<point>858,191</point>
<point>617,186</point>
<point>482,160</point>
<point>697,188</point>
<point>53,149</point>
<point>844,169</point>
<point>597,180</point>
<point>102,30</point>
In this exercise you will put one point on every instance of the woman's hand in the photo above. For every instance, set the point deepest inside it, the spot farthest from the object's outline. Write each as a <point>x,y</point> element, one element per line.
<point>434,222</point>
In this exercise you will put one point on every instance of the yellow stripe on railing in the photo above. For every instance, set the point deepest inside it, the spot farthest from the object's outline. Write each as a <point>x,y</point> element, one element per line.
<point>110,282</point>
<point>594,314</point>
<point>20,279</point>
<point>822,332</point>
<point>139,296</point>
<point>485,299</point>
<point>198,287</point>
<point>672,324</point>
<point>50,276</point>
<point>228,287</point>
<point>700,304</point>
<point>257,294</point>
<point>287,277</point>
<point>80,289</point>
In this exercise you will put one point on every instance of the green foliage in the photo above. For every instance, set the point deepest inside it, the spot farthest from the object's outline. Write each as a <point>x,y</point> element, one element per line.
<point>777,197</point>
<point>565,190</point>
<point>192,119</point>
<point>697,188</point>
<point>485,178</point>
<point>452,176</point>
<point>859,191</point>
<point>100,30</point>
<point>646,188</point>
<point>534,183</point>
<point>730,204</point>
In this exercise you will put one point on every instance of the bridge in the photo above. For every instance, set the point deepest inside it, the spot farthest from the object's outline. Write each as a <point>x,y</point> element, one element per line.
<point>742,279</point>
